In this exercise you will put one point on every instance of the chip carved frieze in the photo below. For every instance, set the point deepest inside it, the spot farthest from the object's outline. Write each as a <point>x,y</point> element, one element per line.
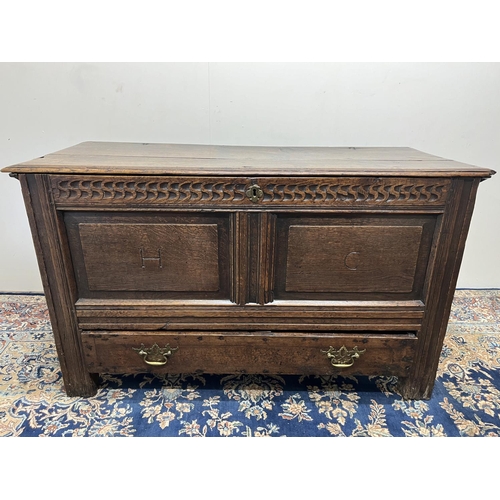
<point>163,190</point>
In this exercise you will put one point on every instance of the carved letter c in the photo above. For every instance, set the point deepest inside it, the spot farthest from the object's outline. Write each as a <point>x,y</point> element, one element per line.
<point>351,261</point>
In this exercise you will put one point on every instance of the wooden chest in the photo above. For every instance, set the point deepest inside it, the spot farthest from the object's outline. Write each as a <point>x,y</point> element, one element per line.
<point>220,259</point>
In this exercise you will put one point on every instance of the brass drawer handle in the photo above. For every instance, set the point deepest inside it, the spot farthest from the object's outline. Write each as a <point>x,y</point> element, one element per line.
<point>254,193</point>
<point>343,358</point>
<point>155,355</point>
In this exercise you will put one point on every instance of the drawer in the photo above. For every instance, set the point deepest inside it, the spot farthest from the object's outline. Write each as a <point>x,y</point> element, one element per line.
<point>355,256</point>
<point>148,255</point>
<point>266,352</point>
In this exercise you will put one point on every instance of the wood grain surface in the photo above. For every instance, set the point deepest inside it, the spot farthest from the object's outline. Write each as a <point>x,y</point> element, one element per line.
<point>248,259</point>
<point>178,159</point>
<point>248,353</point>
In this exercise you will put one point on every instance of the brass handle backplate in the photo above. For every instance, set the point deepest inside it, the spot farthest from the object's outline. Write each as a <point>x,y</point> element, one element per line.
<point>155,355</point>
<point>254,193</point>
<point>343,358</point>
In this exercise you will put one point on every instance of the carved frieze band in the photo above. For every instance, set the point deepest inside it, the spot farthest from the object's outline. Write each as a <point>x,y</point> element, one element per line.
<point>154,190</point>
<point>359,190</point>
<point>158,190</point>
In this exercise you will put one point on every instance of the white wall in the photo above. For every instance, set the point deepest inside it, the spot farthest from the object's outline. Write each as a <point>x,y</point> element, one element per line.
<point>450,109</point>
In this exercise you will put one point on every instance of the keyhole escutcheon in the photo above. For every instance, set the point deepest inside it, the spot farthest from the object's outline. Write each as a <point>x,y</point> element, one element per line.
<point>254,193</point>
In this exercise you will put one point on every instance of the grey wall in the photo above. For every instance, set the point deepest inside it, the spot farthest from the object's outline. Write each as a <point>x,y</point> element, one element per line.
<point>447,109</point>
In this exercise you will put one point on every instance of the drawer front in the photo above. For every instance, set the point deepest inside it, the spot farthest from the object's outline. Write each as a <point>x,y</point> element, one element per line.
<point>260,192</point>
<point>299,353</point>
<point>150,255</point>
<point>335,257</point>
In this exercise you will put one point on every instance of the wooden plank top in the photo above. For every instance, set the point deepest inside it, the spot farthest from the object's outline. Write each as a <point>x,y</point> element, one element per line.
<point>121,158</point>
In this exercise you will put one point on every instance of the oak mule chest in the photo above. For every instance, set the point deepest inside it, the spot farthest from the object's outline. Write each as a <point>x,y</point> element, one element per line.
<point>221,259</point>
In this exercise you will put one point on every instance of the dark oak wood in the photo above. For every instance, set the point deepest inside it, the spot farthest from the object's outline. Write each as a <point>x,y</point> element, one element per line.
<point>58,282</point>
<point>322,316</point>
<point>248,259</point>
<point>450,247</point>
<point>356,256</point>
<point>249,353</point>
<point>150,255</point>
<point>150,159</point>
<point>319,192</point>
<point>157,150</point>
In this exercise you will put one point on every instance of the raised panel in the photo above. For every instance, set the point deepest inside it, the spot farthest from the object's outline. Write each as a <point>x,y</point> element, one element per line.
<point>352,259</point>
<point>150,255</point>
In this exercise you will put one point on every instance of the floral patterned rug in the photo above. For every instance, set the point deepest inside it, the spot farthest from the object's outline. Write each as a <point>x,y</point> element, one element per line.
<point>465,402</point>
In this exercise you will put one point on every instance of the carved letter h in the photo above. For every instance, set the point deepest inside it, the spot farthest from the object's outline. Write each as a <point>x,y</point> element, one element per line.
<point>144,259</point>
